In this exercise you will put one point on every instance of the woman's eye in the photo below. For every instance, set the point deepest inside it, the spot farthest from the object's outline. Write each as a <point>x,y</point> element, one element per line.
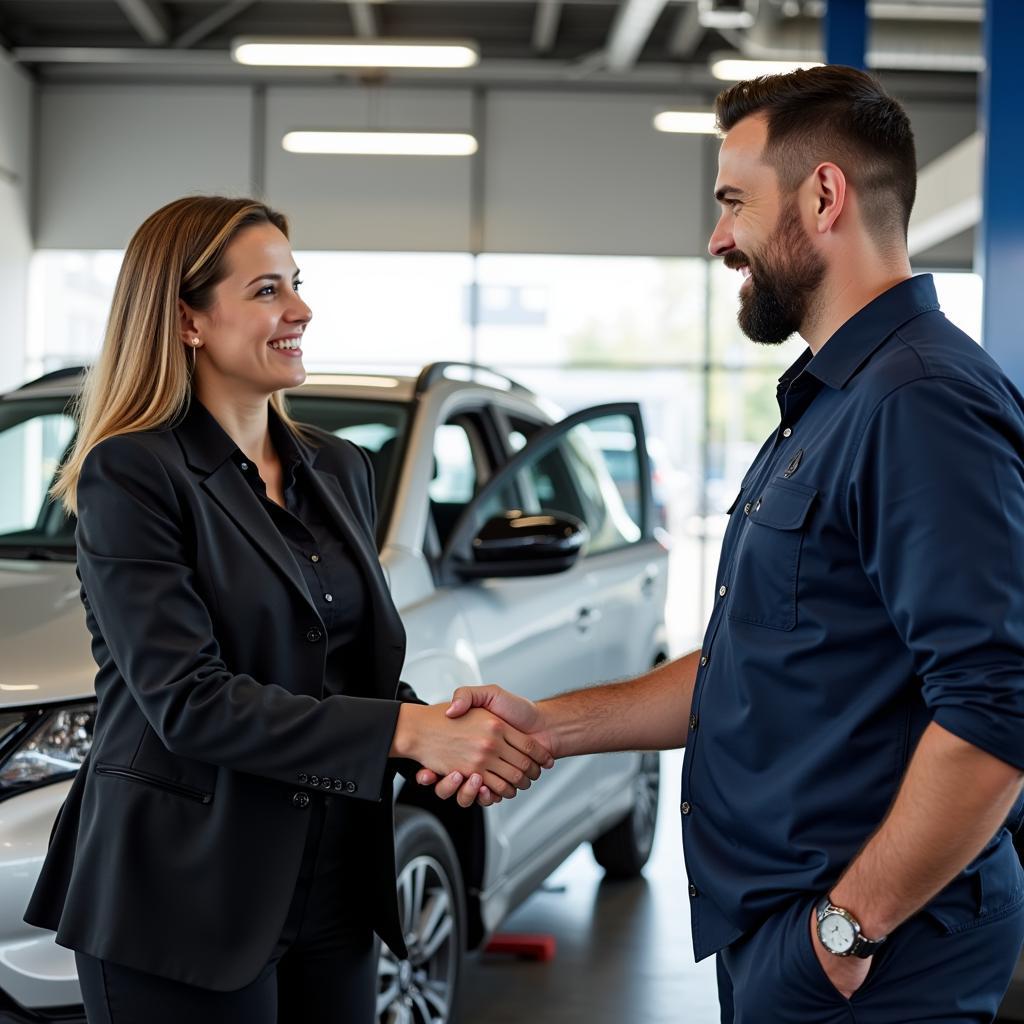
<point>295,285</point>
<point>267,289</point>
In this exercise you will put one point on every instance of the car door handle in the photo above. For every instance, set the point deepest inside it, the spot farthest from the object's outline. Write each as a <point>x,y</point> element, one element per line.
<point>587,618</point>
<point>649,584</point>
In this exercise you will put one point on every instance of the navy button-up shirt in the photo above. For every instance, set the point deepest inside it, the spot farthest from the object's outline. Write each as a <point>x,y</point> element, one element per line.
<point>871,581</point>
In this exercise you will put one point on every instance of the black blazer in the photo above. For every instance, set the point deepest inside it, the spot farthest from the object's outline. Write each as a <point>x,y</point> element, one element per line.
<point>178,847</point>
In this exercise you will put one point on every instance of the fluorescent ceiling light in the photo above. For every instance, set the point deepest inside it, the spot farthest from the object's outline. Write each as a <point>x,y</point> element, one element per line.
<point>354,53</point>
<point>690,122</point>
<point>735,70</point>
<point>381,143</point>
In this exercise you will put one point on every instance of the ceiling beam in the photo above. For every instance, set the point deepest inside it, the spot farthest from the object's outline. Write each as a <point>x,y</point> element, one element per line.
<point>364,19</point>
<point>687,32</point>
<point>629,32</point>
<point>545,25</point>
<point>208,25</point>
<point>149,19</point>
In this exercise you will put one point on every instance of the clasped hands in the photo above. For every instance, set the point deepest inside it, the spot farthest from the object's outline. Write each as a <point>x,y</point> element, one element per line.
<point>482,747</point>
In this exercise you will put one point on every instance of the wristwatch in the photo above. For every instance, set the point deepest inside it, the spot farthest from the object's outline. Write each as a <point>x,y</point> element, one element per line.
<point>839,931</point>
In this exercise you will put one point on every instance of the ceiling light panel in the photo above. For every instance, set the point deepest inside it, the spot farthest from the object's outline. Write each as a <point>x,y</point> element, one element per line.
<point>736,70</point>
<point>354,53</point>
<point>687,122</point>
<point>338,143</point>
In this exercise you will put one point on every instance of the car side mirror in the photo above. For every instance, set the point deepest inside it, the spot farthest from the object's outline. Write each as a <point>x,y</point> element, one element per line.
<point>517,543</point>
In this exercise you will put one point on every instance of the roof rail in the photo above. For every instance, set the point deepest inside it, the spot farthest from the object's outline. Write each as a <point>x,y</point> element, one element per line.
<point>54,375</point>
<point>434,372</point>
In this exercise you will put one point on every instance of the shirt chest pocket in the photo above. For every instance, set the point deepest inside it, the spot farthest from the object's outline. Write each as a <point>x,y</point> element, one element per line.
<point>766,576</point>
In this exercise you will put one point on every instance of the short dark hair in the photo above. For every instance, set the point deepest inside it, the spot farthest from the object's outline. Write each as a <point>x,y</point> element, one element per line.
<point>836,114</point>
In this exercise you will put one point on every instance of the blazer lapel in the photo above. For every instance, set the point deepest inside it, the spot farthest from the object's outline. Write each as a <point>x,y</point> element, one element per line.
<point>388,629</point>
<point>236,497</point>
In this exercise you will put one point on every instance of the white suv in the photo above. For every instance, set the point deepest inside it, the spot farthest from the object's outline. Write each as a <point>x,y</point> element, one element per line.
<point>562,599</point>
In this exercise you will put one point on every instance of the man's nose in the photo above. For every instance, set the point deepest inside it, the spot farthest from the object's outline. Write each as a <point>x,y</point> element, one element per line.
<point>721,239</point>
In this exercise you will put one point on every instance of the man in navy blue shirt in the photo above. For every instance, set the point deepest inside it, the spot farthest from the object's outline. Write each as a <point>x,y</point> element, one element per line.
<point>854,720</point>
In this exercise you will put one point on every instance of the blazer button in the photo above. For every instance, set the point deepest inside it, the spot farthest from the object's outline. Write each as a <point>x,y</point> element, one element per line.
<point>314,635</point>
<point>350,787</point>
<point>300,799</point>
<point>314,780</point>
<point>303,778</point>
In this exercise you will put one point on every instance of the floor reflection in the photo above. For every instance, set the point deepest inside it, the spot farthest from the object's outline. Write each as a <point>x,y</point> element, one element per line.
<point>624,950</point>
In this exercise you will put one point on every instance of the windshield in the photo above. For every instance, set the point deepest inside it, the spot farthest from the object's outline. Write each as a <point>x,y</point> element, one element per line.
<point>36,433</point>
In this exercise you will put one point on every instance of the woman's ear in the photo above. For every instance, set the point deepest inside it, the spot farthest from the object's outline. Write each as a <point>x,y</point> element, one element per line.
<point>830,195</point>
<point>187,323</point>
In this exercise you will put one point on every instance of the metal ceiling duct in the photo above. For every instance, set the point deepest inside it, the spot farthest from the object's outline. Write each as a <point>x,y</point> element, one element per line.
<point>912,44</point>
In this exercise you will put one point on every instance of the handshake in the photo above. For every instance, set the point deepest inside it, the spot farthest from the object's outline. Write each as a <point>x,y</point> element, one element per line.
<point>486,744</point>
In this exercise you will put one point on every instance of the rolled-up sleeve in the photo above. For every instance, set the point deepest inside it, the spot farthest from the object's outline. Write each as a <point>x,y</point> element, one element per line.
<point>937,502</point>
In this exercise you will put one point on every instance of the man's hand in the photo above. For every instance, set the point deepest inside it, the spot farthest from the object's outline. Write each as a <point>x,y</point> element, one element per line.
<point>847,973</point>
<point>517,711</point>
<point>476,744</point>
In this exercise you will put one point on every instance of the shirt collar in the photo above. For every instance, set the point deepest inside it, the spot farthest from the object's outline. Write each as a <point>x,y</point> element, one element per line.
<point>854,343</point>
<point>208,445</point>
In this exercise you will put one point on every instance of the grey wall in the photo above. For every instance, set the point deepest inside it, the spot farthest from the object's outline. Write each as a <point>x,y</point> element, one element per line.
<point>16,146</point>
<point>557,172</point>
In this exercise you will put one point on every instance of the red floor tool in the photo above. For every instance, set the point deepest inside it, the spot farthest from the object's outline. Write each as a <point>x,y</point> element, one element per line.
<point>527,947</point>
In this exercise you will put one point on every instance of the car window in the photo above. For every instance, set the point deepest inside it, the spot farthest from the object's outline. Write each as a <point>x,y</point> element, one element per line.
<point>377,427</point>
<point>576,478</point>
<point>34,436</point>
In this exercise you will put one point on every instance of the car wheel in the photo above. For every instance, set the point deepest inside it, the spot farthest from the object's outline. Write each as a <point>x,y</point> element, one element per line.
<point>625,848</point>
<point>432,906</point>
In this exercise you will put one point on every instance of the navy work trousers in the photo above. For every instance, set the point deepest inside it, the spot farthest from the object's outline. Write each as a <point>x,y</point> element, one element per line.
<point>923,973</point>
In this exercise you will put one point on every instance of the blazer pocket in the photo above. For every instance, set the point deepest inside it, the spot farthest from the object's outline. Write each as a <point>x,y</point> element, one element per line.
<point>155,781</point>
<point>766,578</point>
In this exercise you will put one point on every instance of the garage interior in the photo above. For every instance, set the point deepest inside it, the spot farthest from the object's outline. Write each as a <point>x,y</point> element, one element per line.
<point>566,248</point>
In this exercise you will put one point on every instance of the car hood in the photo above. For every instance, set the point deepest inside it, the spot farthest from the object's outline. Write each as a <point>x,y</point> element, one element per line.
<point>45,651</point>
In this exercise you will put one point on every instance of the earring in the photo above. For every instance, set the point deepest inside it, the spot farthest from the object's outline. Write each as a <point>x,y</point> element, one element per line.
<point>195,345</point>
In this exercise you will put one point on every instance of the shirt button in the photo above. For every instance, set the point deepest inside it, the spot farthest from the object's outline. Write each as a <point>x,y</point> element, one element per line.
<point>693,721</point>
<point>757,505</point>
<point>747,508</point>
<point>685,807</point>
<point>303,778</point>
<point>326,781</point>
<point>693,891</point>
<point>328,597</point>
<point>722,591</point>
<point>314,558</point>
<point>314,635</point>
<point>338,784</point>
<point>300,799</point>
<point>314,780</point>
<point>245,465</point>
<point>350,787</point>
<point>787,432</point>
<point>704,660</point>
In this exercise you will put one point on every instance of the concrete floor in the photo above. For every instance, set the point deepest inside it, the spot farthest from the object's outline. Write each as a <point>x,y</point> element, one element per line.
<point>624,951</point>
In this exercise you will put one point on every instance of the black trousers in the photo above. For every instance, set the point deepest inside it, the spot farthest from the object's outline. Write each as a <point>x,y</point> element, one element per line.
<point>323,969</point>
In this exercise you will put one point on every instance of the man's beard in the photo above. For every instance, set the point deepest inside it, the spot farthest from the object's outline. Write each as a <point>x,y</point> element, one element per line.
<point>784,278</point>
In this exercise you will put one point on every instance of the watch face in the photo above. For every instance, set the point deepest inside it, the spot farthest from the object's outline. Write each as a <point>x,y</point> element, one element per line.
<point>836,933</point>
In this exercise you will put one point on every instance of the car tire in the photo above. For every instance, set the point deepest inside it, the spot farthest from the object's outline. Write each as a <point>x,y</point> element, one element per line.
<point>626,847</point>
<point>424,988</point>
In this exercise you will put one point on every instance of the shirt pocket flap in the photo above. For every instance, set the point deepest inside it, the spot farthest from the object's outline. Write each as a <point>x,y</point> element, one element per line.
<point>784,505</point>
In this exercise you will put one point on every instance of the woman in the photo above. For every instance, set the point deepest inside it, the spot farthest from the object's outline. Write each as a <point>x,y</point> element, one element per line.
<point>226,850</point>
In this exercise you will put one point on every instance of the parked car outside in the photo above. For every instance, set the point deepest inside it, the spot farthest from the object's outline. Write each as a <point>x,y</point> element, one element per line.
<point>512,558</point>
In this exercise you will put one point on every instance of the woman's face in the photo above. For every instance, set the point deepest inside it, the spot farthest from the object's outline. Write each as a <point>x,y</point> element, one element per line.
<point>251,336</point>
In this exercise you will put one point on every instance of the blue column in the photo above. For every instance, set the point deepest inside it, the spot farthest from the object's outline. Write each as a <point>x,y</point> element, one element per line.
<point>999,251</point>
<point>846,32</point>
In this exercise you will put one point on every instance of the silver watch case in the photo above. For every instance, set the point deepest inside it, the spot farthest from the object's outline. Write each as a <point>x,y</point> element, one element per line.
<point>859,945</point>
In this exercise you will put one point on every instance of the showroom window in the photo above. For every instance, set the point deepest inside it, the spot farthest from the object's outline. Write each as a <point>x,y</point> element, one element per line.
<point>579,330</point>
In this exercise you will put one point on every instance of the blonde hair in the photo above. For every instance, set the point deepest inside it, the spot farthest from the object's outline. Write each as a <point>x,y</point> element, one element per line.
<point>142,379</point>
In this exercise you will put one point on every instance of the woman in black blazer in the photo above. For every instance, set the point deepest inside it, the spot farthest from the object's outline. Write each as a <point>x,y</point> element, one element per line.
<point>225,853</point>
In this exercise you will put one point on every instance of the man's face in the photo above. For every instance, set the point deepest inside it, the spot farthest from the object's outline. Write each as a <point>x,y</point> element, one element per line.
<point>760,233</point>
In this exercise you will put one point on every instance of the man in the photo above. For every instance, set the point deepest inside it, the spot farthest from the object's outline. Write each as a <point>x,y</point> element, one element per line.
<point>854,719</point>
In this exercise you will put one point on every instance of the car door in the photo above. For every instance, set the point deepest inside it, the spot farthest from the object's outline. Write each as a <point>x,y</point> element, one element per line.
<point>540,635</point>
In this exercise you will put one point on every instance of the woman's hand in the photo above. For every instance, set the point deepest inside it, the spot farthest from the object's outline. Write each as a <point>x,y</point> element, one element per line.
<point>476,743</point>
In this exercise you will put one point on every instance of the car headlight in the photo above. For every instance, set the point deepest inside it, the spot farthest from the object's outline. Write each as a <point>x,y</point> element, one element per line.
<point>44,746</point>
